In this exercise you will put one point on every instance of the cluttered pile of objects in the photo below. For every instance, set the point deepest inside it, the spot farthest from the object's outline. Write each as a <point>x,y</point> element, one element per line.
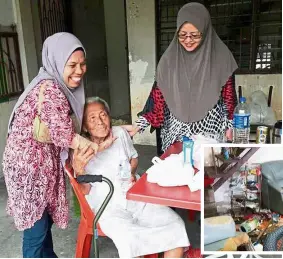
<point>255,232</point>
<point>245,224</point>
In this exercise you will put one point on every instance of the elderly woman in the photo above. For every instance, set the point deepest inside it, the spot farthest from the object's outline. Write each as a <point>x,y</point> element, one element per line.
<point>41,129</point>
<point>194,92</point>
<point>136,228</point>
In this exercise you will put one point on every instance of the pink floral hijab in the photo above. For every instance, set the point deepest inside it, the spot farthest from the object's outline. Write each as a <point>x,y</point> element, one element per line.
<point>55,53</point>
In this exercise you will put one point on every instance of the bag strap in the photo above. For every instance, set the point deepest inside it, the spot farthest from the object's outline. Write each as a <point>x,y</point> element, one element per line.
<point>41,97</point>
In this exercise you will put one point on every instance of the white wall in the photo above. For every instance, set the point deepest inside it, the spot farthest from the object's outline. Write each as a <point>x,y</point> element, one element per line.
<point>142,61</point>
<point>266,154</point>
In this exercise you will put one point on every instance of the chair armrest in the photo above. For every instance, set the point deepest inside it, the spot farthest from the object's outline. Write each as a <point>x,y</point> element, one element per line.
<point>272,170</point>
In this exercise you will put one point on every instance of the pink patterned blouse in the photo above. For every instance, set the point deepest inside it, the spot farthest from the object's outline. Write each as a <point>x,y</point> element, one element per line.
<point>32,170</point>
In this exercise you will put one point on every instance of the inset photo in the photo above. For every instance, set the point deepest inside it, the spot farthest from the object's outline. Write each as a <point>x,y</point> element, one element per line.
<point>242,199</point>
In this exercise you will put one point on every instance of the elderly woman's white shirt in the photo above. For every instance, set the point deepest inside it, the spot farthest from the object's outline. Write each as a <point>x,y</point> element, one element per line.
<point>107,164</point>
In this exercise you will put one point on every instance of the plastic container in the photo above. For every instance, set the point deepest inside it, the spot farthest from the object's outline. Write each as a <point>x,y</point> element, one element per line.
<point>241,123</point>
<point>188,150</point>
<point>249,225</point>
<point>218,228</point>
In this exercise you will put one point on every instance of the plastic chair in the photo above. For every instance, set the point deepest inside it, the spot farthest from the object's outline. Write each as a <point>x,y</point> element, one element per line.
<point>88,220</point>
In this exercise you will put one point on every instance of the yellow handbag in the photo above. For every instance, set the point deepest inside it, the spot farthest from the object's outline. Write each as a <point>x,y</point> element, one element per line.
<point>40,130</point>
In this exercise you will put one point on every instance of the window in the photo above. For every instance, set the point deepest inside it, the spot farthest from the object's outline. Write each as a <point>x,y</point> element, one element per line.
<point>252,30</point>
<point>263,60</point>
<point>11,81</point>
<point>54,17</point>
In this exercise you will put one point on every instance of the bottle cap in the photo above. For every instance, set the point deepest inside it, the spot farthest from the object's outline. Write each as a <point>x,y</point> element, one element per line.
<point>242,99</point>
<point>185,138</point>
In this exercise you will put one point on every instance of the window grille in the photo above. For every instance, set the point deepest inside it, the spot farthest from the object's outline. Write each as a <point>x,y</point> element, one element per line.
<point>54,17</point>
<point>11,80</point>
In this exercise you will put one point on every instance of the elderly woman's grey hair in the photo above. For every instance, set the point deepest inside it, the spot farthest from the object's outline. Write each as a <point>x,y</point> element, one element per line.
<point>97,99</point>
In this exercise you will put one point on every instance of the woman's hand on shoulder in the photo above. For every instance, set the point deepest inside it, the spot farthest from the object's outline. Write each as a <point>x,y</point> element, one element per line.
<point>82,143</point>
<point>81,157</point>
<point>132,129</point>
<point>108,142</point>
<point>95,147</point>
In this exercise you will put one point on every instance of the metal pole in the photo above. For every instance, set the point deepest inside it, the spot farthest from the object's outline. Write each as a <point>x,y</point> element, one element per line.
<point>98,214</point>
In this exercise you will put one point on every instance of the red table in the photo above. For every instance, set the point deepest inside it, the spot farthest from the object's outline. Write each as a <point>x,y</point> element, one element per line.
<point>179,197</point>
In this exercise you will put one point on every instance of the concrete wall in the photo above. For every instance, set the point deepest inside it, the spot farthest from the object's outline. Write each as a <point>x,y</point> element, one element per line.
<point>142,60</point>
<point>89,27</point>
<point>37,31</point>
<point>24,23</point>
<point>5,111</point>
<point>101,27</point>
<point>6,19</point>
<point>6,13</point>
<point>117,57</point>
<point>19,13</point>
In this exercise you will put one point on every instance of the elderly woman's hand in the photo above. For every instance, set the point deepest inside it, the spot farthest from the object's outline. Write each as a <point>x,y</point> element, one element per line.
<point>81,157</point>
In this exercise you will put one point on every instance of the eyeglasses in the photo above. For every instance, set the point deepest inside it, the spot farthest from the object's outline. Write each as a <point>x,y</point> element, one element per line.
<point>194,36</point>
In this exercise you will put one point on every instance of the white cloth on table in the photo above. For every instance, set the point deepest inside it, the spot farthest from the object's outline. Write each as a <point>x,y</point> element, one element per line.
<point>171,171</point>
<point>197,181</point>
<point>136,228</point>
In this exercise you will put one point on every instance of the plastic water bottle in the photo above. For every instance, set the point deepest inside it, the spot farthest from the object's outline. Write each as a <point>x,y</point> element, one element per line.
<point>125,175</point>
<point>241,123</point>
<point>188,149</point>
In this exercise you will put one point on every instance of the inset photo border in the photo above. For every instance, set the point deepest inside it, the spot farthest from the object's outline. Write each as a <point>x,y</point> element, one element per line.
<point>242,200</point>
